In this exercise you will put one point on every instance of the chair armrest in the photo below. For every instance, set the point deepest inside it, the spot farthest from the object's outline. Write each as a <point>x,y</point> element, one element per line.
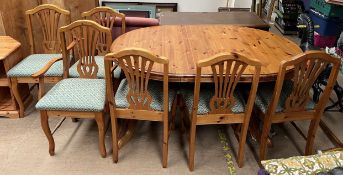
<point>46,67</point>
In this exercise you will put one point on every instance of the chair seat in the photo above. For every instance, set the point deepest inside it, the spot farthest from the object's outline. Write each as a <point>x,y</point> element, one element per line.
<point>75,94</point>
<point>34,63</point>
<point>73,73</point>
<point>265,93</point>
<point>155,89</point>
<point>205,95</point>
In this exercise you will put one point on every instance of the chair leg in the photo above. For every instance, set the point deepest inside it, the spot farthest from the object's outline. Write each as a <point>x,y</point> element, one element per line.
<point>191,146</point>
<point>242,141</point>
<point>311,136</point>
<point>173,113</point>
<point>17,96</point>
<point>41,88</point>
<point>165,141</point>
<point>47,131</point>
<point>115,145</point>
<point>264,140</point>
<point>99,117</point>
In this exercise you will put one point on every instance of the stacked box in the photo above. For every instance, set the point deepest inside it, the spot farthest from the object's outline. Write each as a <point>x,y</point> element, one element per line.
<point>287,12</point>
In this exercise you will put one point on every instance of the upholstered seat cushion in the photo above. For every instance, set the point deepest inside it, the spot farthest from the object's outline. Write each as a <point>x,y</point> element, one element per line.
<point>75,94</point>
<point>73,73</point>
<point>265,93</point>
<point>155,89</point>
<point>34,63</point>
<point>205,95</point>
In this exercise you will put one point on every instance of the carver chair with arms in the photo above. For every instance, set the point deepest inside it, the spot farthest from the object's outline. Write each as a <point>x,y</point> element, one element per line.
<point>82,97</point>
<point>43,67</point>
<point>223,103</point>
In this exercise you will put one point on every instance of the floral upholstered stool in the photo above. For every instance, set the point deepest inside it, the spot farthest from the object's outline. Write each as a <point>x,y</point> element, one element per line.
<point>322,162</point>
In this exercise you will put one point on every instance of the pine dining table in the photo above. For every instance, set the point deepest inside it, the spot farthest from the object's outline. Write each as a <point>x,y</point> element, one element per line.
<point>184,45</point>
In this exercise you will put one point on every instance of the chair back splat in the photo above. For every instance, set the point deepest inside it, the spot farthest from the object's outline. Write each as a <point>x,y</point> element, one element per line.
<point>137,65</point>
<point>105,16</point>
<point>83,37</point>
<point>49,17</point>
<point>226,70</point>
<point>306,69</point>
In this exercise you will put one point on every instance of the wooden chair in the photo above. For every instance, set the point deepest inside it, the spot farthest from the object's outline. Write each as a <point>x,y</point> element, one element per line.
<point>82,97</point>
<point>290,100</point>
<point>41,68</point>
<point>222,104</point>
<point>106,17</point>
<point>138,98</point>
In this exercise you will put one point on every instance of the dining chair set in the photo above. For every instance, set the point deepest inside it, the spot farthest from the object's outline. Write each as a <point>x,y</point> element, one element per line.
<point>90,84</point>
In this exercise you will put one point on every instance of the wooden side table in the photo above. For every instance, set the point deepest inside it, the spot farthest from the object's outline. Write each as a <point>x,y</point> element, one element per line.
<point>10,55</point>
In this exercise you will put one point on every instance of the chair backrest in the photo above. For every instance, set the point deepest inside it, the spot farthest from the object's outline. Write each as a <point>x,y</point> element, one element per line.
<point>82,36</point>
<point>227,69</point>
<point>137,65</point>
<point>106,17</point>
<point>303,70</point>
<point>49,17</point>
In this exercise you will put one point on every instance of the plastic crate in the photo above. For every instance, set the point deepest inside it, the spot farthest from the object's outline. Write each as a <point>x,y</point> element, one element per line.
<point>327,26</point>
<point>329,10</point>
<point>324,41</point>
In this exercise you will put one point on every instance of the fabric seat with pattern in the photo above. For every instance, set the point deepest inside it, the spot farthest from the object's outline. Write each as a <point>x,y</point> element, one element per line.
<point>155,88</point>
<point>34,63</point>
<point>221,103</point>
<point>289,100</point>
<point>44,67</point>
<point>265,93</point>
<point>82,97</point>
<point>101,72</point>
<point>75,94</point>
<point>206,93</point>
<point>137,97</point>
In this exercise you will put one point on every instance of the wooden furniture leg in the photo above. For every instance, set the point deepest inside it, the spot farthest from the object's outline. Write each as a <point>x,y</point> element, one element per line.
<point>263,140</point>
<point>311,136</point>
<point>99,118</point>
<point>47,132</point>
<point>165,141</point>
<point>173,112</point>
<point>191,145</point>
<point>128,134</point>
<point>242,141</point>
<point>17,96</point>
<point>115,143</point>
<point>41,88</point>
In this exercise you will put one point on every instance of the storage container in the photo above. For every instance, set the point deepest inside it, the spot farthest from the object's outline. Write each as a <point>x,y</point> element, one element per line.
<point>324,41</point>
<point>329,10</point>
<point>327,26</point>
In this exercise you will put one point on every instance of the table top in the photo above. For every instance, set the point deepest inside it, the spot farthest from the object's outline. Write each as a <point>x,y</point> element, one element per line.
<point>7,46</point>
<point>184,45</point>
<point>246,19</point>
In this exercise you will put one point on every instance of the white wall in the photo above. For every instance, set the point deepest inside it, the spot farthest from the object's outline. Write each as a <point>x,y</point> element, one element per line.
<point>197,5</point>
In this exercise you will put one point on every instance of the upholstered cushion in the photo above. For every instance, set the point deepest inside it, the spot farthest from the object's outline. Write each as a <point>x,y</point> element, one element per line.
<point>155,89</point>
<point>265,93</point>
<point>73,73</point>
<point>75,94</point>
<point>34,63</point>
<point>205,95</point>
<point>304,164</point>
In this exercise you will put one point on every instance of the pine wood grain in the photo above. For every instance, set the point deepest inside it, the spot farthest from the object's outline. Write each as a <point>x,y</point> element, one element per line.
<point>185,45</point>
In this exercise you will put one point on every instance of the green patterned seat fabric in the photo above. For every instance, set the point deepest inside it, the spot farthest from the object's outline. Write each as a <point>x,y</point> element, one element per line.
<point>307,165</point>
<point>73,73</point>
<point>265,93</point>
<point>34,63</point>
<point>155,89</point>
<point>75,94</point>
<point>205,95</point>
